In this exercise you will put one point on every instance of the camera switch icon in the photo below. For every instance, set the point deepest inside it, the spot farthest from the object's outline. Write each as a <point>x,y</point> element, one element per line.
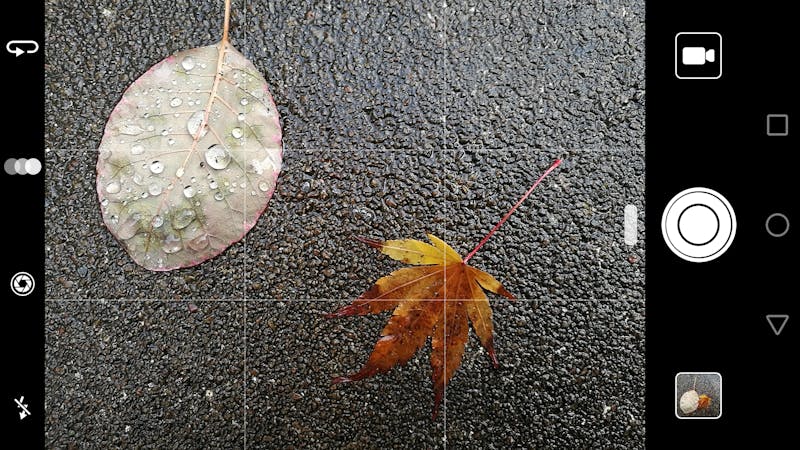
<point>698,56</point>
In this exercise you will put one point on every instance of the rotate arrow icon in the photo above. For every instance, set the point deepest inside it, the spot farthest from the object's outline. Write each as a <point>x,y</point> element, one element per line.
<point>14,47</point>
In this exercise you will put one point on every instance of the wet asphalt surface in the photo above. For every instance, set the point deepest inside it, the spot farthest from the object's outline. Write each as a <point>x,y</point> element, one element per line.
<point>398,120</point>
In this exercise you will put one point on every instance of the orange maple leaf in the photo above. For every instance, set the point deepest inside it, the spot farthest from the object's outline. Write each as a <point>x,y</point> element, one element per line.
<point>436,298</point>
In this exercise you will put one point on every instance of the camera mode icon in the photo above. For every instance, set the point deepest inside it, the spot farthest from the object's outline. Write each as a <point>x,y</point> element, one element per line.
<point>698,56</point>
<point>22,284</point>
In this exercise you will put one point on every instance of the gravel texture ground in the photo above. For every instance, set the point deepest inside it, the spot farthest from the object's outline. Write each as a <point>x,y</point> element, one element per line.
<point>398,119</point>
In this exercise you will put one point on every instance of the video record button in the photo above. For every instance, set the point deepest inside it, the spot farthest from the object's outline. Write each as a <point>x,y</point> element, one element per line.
<point>698,224</point>
<point>698,55</point>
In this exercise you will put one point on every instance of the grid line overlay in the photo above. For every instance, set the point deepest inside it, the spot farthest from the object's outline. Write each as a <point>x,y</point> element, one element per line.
<point>330,300</point>
<point>443,406</point>
<point>445,149</point>
<point>422,150</point>
<point>244,264</point>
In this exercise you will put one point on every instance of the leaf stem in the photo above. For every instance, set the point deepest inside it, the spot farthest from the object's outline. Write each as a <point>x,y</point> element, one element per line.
<point>511,211</point>
<point>227,22</point>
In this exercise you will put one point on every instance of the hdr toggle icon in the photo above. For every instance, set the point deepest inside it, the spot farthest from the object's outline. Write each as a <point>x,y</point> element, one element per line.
<point>698,56</point>
<point>22,166</point>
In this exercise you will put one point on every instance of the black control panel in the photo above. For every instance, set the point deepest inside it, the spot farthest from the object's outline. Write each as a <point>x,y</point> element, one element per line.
<point>22,181</point>
<point>721,200</point>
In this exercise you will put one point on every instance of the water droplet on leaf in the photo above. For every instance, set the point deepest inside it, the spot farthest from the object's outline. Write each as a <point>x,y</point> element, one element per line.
<point>199,243</point>
<point>218,157</point>
<point>187,63</point>
<point>128,228</point>
<point>182,219</point>
<point>156,167</point>
<point>113,187</point>
<point>172,244</point>
<point>131,130</point>
<point>189,191</point>
<point>194,122</point>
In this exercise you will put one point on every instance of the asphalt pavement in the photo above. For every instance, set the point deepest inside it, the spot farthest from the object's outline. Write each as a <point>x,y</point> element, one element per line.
<point>398,120</point>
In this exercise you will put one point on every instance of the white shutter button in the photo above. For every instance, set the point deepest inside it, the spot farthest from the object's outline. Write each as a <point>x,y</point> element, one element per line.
<point>698,224</point>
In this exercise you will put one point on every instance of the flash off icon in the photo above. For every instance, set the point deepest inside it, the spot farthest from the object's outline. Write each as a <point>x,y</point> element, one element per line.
<point>698,56</point>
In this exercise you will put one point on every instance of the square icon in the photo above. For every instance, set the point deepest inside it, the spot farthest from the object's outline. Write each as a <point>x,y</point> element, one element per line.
<point>698,56</point>
<point>698,395</point>
<point>777,124</point>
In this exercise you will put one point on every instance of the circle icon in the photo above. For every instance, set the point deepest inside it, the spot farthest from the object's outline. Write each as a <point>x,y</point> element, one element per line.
<point>777,225</point>
<point>10,166</point>
<point>33,166</point>
<point>22,284</point>
<point>19,166</point>
<point>698,224</point>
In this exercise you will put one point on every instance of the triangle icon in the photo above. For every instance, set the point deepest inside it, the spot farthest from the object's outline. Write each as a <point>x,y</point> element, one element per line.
<point>777,322</point>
